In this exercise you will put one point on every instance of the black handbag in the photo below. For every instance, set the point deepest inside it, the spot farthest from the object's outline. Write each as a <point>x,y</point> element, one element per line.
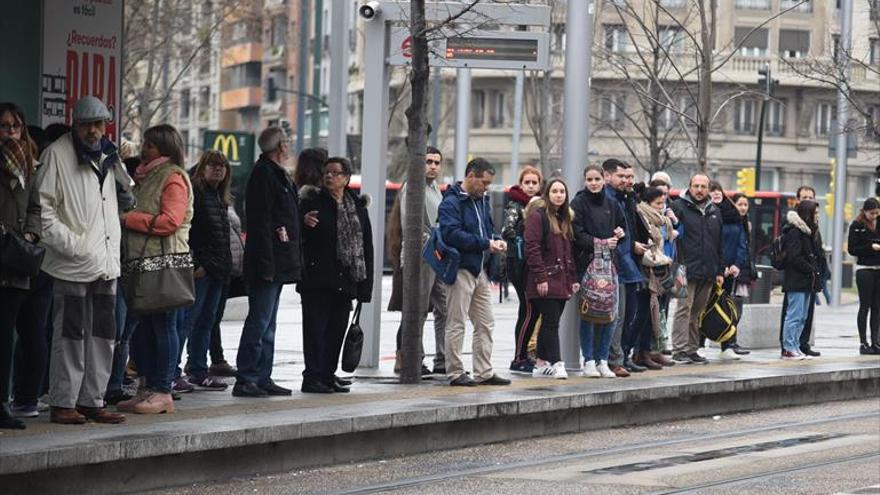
<point>19,257</point>
<point>157,284</point>
<point>354,342</point>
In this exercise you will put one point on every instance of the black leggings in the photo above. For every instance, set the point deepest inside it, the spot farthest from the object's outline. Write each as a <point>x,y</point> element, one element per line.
<point>868,283</point>
<point>548,340</point>
<point>526,315</point>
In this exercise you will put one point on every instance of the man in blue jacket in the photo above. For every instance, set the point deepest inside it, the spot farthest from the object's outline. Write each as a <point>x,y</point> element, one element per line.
<point>466,224</point>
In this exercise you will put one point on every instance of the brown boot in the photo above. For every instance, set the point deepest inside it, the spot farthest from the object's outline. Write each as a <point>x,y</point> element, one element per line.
<point>101,415</point>
<point>662,360</point>
<point>620,371</point>
<point>155,403</point>
<point>644,358</point>
<point>128,405</point>
<point>66,416</point>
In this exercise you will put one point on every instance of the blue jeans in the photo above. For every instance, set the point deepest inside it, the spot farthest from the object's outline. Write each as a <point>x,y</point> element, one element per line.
<point>256,349</point>
<point>155,349</point>
<point>631,331</point>
<point>198,322</point>
<point>589,333</point>
<point>125,326</point>
<point>795,316</point>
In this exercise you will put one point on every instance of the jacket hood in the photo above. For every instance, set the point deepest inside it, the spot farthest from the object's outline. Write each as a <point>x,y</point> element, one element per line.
<point>794,219</point>
<point>517,194</point>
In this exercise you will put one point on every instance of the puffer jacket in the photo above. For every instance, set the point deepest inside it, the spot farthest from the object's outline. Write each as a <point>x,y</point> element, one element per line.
<point>19,211</point>
<point>548,256</point>
<point>859,244</point>
<point>803,271</point>
<point>513,229</point>
<point>595,217</point>
<point>209,236</point>
<point>466,224</point>
<point>699,246</point>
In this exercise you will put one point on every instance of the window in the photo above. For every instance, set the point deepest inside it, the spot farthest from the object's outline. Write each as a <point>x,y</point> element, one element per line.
<point>612,107</point>
<point>682,114</point>
<point>617,39</point>
<point>499,110</point>
<point>826,113</point>
<point>244,32</point>
<point>753,4</point>
<point>796,5</point>
<point>774,120</point>
<point>794,43</point>
<point>672,39</point>
<point>478,108</point>
<point>278,31</point>
<point>558,40</point>
<point>872,123</point>
<point>835,46</point>
<point>243,75</point>
<point>184,104</point>
<point>207,14</point>
<point>874,47</point>
<point>204,102</point>
<point>205,60</point>
<point>279,77</point>
<point>744,116</point>
<point>751,43</point>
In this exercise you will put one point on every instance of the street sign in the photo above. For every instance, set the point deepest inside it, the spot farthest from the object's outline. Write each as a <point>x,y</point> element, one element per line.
<point>238,147</point>
<point>504,50</point>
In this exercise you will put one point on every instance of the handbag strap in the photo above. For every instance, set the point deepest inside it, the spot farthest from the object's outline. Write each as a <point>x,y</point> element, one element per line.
<point>150,234</point>
<point>356,316</point>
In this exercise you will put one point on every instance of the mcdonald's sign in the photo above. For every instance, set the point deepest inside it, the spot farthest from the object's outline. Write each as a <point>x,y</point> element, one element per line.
<point>238,147</point>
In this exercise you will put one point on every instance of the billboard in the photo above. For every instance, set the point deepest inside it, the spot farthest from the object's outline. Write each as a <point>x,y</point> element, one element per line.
<point>82,56</point>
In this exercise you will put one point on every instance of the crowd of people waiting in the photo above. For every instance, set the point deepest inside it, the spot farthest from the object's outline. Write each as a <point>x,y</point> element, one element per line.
<point>99,216</point>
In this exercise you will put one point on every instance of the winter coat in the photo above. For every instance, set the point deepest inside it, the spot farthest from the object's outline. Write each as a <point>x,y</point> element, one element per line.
<point>236,242</point>
<point>323,271</point>
<point>595,217</point>
<point>19,211</point>
<point>628,270</point>
<point>859,244</point>
<point>803,271</point>
<point>79,212</point>
<point>513,230</point>
<point>466,224</point>
<point>209,237</point>
<point>734,246</point>
<point>272,209</point>
<point>548,257</point>
<point>699,245</point>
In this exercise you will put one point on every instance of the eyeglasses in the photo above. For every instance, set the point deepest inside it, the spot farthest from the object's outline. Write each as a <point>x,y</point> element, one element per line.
<point>10,127</point>
<point>215,165</point>
<point>432,162</point>
<point>334,173</point>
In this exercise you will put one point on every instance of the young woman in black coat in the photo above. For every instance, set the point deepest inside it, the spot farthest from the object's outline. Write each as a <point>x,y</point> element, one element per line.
<point>802,272</point>
<point>338,252</point>
<point>864,244</point>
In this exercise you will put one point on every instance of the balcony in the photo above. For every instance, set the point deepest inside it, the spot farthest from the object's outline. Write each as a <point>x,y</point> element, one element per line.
<point>752,4</point>
<point>240,54</point>
<point>240,98</point>
<point>274,53</point>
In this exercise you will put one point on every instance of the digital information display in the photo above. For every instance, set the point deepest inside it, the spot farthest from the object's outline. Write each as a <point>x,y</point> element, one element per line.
<point>506,49</point>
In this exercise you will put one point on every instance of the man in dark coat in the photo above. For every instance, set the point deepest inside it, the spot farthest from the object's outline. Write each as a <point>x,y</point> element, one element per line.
<point>272,258</point>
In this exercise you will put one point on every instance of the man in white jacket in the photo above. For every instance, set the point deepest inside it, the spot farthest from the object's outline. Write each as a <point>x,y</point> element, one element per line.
<point>81,232</point>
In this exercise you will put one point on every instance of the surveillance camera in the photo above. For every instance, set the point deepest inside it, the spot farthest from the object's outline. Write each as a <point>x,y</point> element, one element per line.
<point>370,10</point>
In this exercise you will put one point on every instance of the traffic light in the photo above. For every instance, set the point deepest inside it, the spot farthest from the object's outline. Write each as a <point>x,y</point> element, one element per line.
<point>745,181</point>
<point>766,83</point>
<point>829,197</point>
<point>847,212</point>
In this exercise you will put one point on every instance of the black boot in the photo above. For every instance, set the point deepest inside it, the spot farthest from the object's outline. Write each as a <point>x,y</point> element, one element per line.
<point>7,422</point>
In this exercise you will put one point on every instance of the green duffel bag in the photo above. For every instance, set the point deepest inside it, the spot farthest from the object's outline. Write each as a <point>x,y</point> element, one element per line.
<point>719,318</point>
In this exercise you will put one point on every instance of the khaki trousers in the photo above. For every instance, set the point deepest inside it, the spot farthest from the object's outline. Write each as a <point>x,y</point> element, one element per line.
<point>685,329</point>
<point>469,297</point>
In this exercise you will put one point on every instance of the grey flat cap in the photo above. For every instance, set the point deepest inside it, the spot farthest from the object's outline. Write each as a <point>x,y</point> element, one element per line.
<point>90,109</point>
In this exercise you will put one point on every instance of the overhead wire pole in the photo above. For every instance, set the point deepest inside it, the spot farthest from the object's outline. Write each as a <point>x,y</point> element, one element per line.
<point>338,100</point>
<point>842,150</point>
<point>462,121</point>
<point>517,123</point>
<point>575,138</point>
<point>302,85</point>
<point>315,137</point>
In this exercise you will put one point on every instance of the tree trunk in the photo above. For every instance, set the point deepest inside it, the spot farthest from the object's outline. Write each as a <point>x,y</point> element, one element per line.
<point>411,328</point>
<point>704,120</point>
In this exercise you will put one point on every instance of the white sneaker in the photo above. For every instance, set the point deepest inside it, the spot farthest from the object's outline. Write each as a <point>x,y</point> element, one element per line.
<point>728,355</point>
<point>604,370</point>
<point>559,370</point>
<point>590,370</point>
<point>546,370</point>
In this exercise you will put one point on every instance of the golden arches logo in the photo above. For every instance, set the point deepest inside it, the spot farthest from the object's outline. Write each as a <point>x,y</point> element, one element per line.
<point>228,145</point>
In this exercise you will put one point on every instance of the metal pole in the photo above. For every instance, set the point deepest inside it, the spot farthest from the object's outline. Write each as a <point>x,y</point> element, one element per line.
<point>576,132</point>
<point>436,100</point>
<point>462,121</point>
<point>338,99</point>
<point>315,137</point>
<point>760,142</point>
<point>373,171</point>
<point>517,124</point>
<point>301,79</point>
<point>842,145</point>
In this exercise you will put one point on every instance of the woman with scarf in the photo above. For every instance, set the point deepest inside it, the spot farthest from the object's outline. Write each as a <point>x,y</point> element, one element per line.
<point>734,252</point>
<point>338,251</point>
<point>656,265</point>
<point>19,216</point>
<point>159,224</point>
<point>512,231</point>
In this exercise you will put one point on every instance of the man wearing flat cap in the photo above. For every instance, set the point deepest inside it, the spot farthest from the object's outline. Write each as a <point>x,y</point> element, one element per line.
<point>81,232</point>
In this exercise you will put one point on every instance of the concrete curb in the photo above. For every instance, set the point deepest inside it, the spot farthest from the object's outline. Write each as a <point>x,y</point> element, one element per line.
<point>170,453</point>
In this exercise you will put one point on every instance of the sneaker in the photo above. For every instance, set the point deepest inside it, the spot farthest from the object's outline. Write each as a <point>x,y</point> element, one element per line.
<point>248,389</point>
<point>728,355</point>
<point>559,371</point>
<point>805,356</point>
<point>206,382</point>
<point>24,410</point>
<point>864,350</point>
<point>792,356</point>
<point>604,370</point>
<point>523,367</point>
<point>742,351</point>
<point>43,403</point>
<point>809,352</point>
<point>696,358</point>
<point>680,357</point>
<point>182,386</point>
<point>590,370</point>
<point>545,370</point>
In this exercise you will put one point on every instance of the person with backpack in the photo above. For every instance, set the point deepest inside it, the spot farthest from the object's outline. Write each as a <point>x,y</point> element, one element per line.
<point>864,243</point>
<point>734,252</point>
<point>597,222</point>
<point>512,231</point>
<point>551,278</point>
<point>801,273</point>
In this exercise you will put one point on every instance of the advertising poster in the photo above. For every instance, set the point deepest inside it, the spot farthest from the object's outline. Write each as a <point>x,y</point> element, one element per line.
<point>82,55</point>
